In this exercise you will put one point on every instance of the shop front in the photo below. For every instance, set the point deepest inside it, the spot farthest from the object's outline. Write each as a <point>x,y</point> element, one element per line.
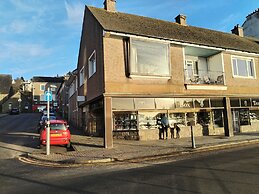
<point>136,118</point>
<point>245,114</point>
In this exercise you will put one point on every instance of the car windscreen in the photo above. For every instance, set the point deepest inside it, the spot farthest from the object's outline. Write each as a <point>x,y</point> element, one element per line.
<point>57,126</point>
<point>50,118</point>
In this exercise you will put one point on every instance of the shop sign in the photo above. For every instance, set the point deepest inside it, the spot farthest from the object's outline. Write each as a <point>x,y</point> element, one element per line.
<point>255,102</point>
<point>183,103</point>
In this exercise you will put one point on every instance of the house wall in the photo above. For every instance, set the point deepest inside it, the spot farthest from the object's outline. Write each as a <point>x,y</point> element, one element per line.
<point>116,81</point>
<point>11,103</point>
<point>91,40</point>
<point>251,25</point>
<point>73,110</point>
<point>118,84</point>
<point>240,86</point>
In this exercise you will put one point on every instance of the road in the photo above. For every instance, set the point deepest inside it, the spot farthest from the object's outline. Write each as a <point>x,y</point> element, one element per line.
<point>18,134</point>
<point>230,171</point>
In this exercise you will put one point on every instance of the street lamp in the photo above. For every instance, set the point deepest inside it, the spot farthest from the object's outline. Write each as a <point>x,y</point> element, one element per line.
<point>48,122</point>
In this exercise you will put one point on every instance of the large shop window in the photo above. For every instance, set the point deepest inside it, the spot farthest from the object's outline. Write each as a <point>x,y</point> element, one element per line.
<point>254,116</point>
<point>125,121</point>
<point>149,58</point>
<point>243,67</point>
<point>244,116</point>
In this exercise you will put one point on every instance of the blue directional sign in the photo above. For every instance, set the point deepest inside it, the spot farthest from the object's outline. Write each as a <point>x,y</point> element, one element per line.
<point>48,96</point>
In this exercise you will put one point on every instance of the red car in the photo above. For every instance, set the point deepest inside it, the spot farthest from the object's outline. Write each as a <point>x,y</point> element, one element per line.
<point>59,133</point>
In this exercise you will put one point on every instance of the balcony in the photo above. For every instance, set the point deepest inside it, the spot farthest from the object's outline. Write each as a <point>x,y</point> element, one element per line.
<point>204,77</point>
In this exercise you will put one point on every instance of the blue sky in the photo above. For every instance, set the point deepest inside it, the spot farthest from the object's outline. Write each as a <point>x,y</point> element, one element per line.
<point>41,37</point>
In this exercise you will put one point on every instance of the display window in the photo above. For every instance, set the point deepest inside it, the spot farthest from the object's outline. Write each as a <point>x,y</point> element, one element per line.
<point>125,121</point>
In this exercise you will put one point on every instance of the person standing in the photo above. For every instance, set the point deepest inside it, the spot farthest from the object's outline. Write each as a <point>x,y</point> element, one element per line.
<point>165,125</point>
<point>160,128</point>
<point>172,131</point>
<point>177,130</point>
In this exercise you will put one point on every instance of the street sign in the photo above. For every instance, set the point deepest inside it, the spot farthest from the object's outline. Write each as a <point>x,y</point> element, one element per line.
<point>48,96</point>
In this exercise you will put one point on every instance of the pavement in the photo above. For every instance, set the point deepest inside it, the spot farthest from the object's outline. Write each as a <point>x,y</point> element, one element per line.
<point>89,150</point>
<point>3,115</point>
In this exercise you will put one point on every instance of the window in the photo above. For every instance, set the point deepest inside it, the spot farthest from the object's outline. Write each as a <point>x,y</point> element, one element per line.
<point>149,58</point>
<point>42,87</point>
<point>92,64</point>
<point>42,98</point>
<point>81,76</point>
<point>52,89</point>
<point>192,68</point>
<point>243,67</point>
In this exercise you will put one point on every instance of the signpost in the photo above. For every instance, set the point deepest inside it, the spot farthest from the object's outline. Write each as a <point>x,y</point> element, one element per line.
<point>192,123</point>
<point>48,97</point>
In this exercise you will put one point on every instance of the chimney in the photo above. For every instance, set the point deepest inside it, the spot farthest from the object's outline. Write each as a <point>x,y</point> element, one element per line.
<point>110,5</point>
<point>238,30</point>
<point>181,19</point>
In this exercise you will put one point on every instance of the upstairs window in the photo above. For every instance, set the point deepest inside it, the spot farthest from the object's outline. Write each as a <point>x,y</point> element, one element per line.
<point>149,58</point>
<point>42,87</point>
<point>81,76</point>
<point>243,67</point>
<point>92,64</point>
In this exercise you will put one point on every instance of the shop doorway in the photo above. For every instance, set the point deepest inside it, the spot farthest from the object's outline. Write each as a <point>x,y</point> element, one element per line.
<point>236,121</point>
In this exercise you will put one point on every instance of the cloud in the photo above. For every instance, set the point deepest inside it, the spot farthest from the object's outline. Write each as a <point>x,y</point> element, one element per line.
<point>15,50</point>
<point>228,22</point>
<point>74,12</point>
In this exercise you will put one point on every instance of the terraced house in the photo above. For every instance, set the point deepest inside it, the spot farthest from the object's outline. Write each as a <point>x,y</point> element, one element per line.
<point>131,69</point>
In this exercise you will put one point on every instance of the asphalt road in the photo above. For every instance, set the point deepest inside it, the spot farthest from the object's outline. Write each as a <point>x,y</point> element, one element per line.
<point>233,171</point>
<point>18,134</point>
<point>230,171</point>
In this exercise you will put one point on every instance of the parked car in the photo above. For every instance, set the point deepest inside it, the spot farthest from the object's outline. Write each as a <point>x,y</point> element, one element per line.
<point>59,133</point>
<point>43,121</point>
<point>14,111</point>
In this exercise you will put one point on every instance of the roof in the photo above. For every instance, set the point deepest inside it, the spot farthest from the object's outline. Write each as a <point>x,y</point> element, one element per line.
<point>47,79</point>
<point>149,27</point>
<point>5,83</point>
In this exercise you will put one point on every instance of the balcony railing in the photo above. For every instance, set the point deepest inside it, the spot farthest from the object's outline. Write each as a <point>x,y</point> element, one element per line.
<point>205,77</point>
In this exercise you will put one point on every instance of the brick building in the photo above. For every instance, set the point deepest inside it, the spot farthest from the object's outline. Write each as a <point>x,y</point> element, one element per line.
<point>132,69</point>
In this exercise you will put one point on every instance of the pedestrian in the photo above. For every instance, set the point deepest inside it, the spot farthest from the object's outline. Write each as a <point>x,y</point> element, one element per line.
<point>177,130</point>
<point>160,128</point>
<point>172,131</point>
<point>165,125</point>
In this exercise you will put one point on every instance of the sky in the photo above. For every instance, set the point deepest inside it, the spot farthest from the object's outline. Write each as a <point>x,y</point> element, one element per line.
<point>41,37</point>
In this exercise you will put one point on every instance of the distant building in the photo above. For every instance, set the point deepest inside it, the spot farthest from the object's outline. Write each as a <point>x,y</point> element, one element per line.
<point>62,97</point>
<point>251,24</point>
<point>39,86</point>
<point>5,85</point>
<point>72,99</point>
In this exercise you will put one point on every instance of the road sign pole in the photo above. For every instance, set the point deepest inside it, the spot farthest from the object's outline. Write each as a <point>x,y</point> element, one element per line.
<point>48,122</point>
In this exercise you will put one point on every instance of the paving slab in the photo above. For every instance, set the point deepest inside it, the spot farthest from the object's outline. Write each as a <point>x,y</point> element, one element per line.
<point>90,149</point>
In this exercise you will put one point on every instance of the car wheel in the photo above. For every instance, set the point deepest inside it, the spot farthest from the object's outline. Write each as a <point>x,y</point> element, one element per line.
<point>41,146</point>
<point>69,145</point>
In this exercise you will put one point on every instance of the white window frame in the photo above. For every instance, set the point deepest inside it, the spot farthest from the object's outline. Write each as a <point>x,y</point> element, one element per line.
<point>92,65</point>
<point>82,76</point>
<point>132,56</point>
<point>195,68</point>
<point>234,57</point>
<point>42,85</point>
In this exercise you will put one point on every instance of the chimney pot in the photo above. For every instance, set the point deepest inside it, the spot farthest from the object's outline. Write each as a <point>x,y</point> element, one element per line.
<point>238,30</point>
<point>110,5</point>
<point>181,19</point>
